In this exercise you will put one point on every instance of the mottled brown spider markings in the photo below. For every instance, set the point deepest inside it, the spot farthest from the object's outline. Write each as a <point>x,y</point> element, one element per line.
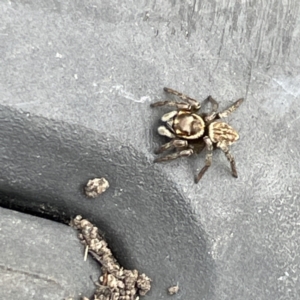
<point>191,132</point>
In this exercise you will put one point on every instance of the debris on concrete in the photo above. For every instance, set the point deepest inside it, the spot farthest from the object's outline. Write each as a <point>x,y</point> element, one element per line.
<point>96,187</point>
<point>115,283</point>
<point>173,289</point>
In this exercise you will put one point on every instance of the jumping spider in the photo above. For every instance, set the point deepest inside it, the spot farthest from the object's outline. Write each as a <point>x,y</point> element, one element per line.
<point>191,132</point>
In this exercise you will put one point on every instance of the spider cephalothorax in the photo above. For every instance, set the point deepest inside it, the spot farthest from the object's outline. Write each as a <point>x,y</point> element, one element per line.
<point>191,132</point>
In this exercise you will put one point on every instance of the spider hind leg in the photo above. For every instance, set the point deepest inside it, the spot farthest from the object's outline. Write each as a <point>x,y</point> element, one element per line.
<point>230,158</point>
<point>214,108</point>
<point>208,158</point>
<point>231,109</point>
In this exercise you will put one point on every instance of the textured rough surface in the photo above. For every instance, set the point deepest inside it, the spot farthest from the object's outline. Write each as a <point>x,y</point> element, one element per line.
<point>116,283</point>
<point>76,82</point>
<point>148,224</point>
<point>36,262</point>
<point>96,187</point>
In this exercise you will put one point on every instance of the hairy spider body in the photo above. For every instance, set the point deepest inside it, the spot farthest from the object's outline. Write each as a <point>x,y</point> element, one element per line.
<point>191,132</point>
<point>221,132</point>
<point>185,124</point>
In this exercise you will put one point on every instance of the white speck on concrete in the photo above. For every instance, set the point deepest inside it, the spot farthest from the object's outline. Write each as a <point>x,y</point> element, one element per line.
<point>122,92</point>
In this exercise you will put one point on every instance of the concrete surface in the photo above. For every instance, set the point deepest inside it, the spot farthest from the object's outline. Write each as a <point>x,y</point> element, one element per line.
<point>36,262</point>
<point>148,223</point>
<point>76,82</point>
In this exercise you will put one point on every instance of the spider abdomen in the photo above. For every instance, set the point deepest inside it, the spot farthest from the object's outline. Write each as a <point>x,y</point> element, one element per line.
<point>221,132</point>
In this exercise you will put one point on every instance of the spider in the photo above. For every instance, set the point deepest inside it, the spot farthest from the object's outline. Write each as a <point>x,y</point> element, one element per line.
<point>191,132</point>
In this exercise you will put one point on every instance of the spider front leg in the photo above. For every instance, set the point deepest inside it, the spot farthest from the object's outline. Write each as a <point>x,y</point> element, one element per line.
<point>231,109</point>
<point>208,158</point>
<point>194,104</point>
<point>182,153</point>
<point>178,105</point>
<point>225,149</point>
<point>176,143</point>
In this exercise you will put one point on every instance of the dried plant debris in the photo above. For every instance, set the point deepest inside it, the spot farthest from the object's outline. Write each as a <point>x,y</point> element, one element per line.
<point>173,289</point>
<point>96,187</point>
<point>116,283</point>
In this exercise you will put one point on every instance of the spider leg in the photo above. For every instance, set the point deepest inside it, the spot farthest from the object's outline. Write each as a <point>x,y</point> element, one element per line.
<point>179,105</point>
<point>208,158</point>
<point>215,106</point>
<point>231,109</point>
<point>197,146</point>
<point>182,153</point>
<point>230,158</point>
<point>176,143</point>
<point>195,105</point>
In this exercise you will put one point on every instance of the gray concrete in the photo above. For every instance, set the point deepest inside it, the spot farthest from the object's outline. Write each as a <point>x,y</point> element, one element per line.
<point>76,83</point>
<point>146,220</point>
<point>37,263</point>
